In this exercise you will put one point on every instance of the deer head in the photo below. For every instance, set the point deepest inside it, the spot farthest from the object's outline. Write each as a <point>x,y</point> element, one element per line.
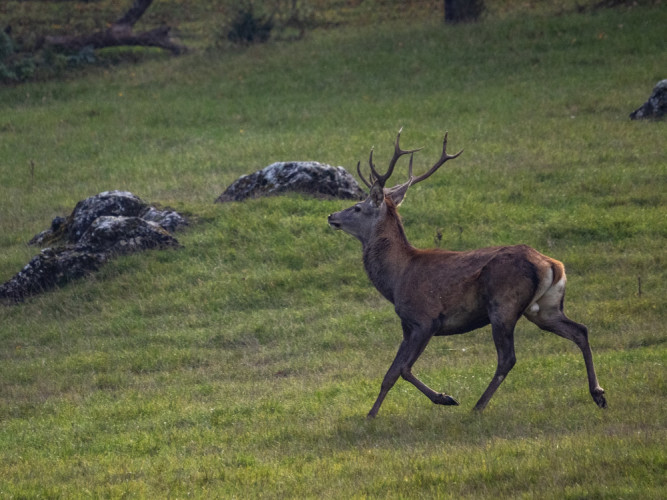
<point>360,219</point>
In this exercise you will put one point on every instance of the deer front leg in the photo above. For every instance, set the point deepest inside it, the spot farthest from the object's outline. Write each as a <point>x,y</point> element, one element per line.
<point>411,348</point>
<point>438,398</point>
<point>389,380</point>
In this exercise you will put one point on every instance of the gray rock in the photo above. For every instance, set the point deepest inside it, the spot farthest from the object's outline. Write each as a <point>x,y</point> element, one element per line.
<point>302,177</point>
<point>86,211</point>
<point>55,232</point>
<point>656,106</point>
<point>109,203</point>
<point>169,220</point>
<point>100,227</point>
<point>52,267</point>
<point>122,235</point>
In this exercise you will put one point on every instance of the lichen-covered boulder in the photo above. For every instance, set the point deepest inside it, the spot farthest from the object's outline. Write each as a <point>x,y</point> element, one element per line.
<point>123,235</point>
<point>115,203</point>
<point>109,203</point>
<point>100,227</point>
<point>301,177</point>
<point>656,106</point>
<point>51,267</point>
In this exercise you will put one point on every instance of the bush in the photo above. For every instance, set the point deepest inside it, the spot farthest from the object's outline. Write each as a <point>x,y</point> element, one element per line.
<point>6,46</point>
<point>248,27</point>
<point>252,23</point>
<point>18,65</point>
<point>14,68</point>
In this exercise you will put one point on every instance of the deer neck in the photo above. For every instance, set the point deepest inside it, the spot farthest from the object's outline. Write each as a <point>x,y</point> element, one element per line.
<point>386,253</point>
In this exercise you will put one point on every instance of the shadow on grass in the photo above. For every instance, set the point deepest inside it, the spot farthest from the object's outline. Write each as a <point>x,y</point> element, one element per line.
<point>464,427</point>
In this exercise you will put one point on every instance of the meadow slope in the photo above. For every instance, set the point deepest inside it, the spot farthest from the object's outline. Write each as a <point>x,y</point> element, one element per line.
<point>243,364</point>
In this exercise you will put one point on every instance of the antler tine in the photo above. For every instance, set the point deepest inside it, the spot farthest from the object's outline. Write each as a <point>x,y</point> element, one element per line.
<point>368,184</point>
<point>373,175</point>
<point>398,152</point>
<point>443,158</point>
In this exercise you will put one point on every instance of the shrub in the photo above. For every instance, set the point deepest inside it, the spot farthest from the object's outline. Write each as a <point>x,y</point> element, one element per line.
<point>13,67</point>
<point>6,46</point>
<point>248,27</point>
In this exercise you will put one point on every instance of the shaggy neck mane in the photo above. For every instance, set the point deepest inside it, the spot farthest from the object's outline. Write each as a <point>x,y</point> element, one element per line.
<point>393,223</point>
<point>387,251</point>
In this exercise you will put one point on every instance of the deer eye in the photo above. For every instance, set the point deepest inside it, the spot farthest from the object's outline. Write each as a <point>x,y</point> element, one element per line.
<point>357,208</point>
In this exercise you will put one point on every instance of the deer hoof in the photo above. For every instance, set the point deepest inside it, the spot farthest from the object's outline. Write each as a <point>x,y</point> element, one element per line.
<point>444,399</point>
<point>600,400</point>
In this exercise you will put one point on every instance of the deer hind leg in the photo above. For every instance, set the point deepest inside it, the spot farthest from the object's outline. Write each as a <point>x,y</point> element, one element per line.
<point>503,337</point>
<point>414,343</point>
<point>554,320</point>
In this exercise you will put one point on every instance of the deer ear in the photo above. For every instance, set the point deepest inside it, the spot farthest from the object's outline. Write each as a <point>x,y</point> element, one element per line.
<point>397,193</point>
<point>377,194</point>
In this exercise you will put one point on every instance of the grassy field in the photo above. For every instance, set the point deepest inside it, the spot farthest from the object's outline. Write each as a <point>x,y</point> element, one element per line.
<point>243,364</point>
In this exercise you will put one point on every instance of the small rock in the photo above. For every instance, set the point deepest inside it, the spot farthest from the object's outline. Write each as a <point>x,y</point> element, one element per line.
<point>656,106</point>
<point>167,219</point>
<point>55,231</point>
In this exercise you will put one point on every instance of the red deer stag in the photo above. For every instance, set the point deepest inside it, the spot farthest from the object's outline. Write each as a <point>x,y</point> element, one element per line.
<point>441,292</point>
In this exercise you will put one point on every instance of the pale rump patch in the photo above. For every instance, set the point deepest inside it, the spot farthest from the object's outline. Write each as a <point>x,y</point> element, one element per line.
<point>548,295</point>
<point>545,284</point>
<point>553,296</point>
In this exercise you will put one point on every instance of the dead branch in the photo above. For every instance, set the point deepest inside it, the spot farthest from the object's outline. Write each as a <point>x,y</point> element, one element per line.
<point>121,33</point>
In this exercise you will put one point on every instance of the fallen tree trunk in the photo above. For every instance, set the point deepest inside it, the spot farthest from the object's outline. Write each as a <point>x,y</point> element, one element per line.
<point>121,33</point>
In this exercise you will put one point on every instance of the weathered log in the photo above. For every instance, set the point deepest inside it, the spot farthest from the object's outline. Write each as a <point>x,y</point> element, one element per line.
<point>120,33</point>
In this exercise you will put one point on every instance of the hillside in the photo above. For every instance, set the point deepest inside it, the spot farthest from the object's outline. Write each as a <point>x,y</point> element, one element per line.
<point>244,363</point>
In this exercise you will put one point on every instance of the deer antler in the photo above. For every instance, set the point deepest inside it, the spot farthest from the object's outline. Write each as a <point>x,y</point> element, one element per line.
<point>398,152</point>
<point>361,176</point>
<point>398,192</point>
<point>443,158</point>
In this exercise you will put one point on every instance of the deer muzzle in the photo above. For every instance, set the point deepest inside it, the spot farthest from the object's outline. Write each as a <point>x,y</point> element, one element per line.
<point>333,222</point>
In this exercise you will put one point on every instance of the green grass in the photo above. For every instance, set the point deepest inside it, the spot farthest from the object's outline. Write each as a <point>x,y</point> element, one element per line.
<point>243,364</point>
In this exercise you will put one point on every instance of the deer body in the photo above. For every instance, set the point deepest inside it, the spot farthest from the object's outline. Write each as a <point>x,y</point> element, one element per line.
<point>440,292</point>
